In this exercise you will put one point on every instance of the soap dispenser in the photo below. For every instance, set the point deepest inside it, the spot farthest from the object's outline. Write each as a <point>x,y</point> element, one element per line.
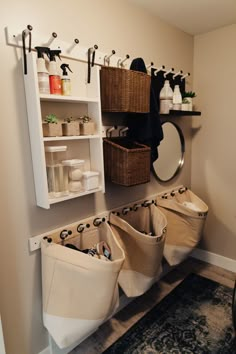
<point>166,98</point>
<point>177,98</point>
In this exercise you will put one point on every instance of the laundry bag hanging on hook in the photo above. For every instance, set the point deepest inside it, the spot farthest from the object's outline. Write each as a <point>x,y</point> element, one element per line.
<point>79,291</point>
<point>186,214</point>
<point>141,234</point>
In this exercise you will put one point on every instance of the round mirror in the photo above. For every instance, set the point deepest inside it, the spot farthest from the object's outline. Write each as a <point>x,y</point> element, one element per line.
<point>171,153</point>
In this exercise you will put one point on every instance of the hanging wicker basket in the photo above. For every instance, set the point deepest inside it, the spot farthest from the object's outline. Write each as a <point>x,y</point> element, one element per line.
<point>126,162</point>
<point>124,90</point>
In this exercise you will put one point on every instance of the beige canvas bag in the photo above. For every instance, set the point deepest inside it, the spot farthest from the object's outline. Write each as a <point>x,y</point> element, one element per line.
<point>186,215</point>
<point>79,291</point>
<point>143,253</point>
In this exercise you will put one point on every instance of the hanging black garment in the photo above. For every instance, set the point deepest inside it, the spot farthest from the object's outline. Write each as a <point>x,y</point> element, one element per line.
<point>146,128</point>
<point>157,82</point>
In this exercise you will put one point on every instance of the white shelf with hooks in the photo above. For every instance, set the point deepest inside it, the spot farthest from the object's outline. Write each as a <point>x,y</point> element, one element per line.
<point>87,147</point>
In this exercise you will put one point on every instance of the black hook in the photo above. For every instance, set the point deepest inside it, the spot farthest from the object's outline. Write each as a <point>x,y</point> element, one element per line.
<point>25,33</point>
<point>92,51</point>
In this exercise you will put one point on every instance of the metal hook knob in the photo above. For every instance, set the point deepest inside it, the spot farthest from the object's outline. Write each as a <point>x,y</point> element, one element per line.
<point>28,29</point>
<point>75,42</point>
<point>136,206</point>
<point>81,227</point>
<point>182,190</point>
<point>110,130</point>
<point>168,72</point>
<point>65,233</point>
<point>126,210</point>
<point>150,65</point>
<point>98,221</point>
<point>49,239</point>
<point>107,57</point>
<point>121,62</point>
<point>116,213</point>
<point>146,203</point>
<point>184,76</point>
<point>161,68</point>
<point>177,74</point>
<point>123,130</point>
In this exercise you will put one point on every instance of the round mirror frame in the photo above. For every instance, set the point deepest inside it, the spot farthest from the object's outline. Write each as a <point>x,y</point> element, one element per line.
<point>181,160</point>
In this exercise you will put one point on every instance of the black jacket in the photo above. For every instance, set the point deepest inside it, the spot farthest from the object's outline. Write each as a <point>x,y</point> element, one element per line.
<point>146,127</point>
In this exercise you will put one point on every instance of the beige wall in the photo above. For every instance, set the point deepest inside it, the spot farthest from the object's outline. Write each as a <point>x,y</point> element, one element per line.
<point>112,25</point>
<point>214,147</point>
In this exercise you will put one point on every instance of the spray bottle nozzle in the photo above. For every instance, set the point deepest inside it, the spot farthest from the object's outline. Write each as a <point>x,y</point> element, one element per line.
<point>64,68</point>
<point>41,51</point>
<point>54,53</point>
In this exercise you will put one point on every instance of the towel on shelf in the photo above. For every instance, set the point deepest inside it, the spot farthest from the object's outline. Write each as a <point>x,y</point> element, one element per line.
<point>146,128</point>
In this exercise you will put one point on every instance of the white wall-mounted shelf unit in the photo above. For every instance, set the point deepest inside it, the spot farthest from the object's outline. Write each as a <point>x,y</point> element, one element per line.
<point>87,147</point>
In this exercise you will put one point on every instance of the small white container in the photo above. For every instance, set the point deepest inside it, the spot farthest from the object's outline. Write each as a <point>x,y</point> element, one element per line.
<point>90,180</point>
<point>75,173</point>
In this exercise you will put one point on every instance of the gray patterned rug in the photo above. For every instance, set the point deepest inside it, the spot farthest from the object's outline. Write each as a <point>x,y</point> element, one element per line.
<point>195,318</point>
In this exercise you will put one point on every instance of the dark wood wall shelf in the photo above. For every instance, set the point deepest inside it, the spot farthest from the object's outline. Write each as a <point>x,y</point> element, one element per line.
<point>181,113</point>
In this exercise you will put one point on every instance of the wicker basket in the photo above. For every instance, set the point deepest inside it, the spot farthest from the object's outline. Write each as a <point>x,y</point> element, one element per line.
<point>124,90</point>
<point>126,162</point>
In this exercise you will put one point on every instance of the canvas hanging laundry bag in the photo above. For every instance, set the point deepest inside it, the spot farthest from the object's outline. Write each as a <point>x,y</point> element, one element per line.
<point>143,252</point>
<point>79,291</point>
<point>186,214</point>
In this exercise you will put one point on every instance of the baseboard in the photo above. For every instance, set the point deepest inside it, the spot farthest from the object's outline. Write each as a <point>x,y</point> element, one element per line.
<point>46,351</point>
<point>215,259</point>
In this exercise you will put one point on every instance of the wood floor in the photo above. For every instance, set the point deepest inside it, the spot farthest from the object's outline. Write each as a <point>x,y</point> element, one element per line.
<point>110,331</point>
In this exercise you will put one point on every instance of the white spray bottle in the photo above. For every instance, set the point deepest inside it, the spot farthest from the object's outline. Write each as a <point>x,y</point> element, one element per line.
<point>65,80</point>
<point>43,76</point>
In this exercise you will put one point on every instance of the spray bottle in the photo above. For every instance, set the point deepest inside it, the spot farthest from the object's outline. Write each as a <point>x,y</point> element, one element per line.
<point>43,76</point>
<point>65,80</point>
<point>54,75</point>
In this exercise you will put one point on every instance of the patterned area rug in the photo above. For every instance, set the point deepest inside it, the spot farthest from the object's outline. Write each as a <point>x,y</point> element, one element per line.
<point>195,318</point>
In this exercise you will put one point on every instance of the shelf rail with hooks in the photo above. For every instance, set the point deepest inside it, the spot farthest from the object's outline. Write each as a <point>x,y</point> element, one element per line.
<point>73,50</point>
<point>66,232</point>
